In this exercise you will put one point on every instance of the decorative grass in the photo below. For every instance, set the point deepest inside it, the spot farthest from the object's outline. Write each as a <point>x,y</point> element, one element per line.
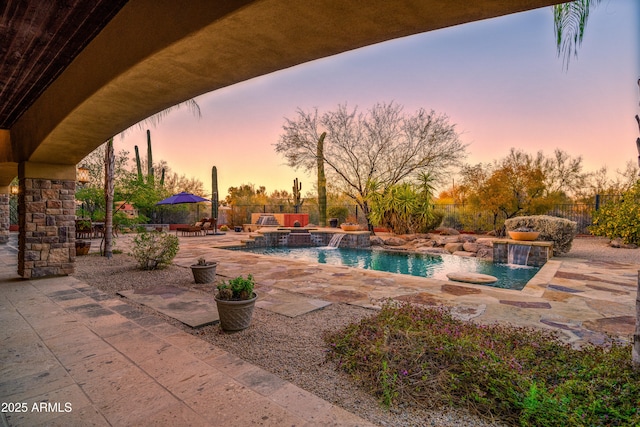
<point>423,356</point>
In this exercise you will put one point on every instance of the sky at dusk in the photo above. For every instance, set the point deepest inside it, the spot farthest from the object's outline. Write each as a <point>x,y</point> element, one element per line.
<point>499,81</point>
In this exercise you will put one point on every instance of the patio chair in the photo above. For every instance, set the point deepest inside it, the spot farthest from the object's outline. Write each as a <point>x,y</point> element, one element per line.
<point>191,230</point>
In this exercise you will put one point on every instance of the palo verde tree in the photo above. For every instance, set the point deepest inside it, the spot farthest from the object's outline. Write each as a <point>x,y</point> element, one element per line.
<point>514,185</point>
<point>382,145</point>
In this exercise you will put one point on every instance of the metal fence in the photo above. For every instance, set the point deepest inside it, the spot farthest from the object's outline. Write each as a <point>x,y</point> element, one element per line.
<point>463,217</point>
<point>460,217</point>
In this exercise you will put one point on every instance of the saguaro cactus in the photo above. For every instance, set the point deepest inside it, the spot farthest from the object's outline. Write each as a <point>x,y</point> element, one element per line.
<point>297,199</point>
<point>138,164</point>
<point>322,182</point>
<point>214,193</point>
<point>150,177</point>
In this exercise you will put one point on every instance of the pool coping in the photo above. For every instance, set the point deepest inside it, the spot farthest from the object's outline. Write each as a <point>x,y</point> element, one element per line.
<point>535,287</point>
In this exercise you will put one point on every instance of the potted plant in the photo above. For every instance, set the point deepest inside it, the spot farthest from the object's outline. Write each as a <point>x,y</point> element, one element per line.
<point>204,271</point>
<point>235,300</point>
<point>524,234</point>
<point>82,247</point>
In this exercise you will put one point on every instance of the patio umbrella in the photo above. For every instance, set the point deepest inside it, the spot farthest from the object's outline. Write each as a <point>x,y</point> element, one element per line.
<point>183,197</point>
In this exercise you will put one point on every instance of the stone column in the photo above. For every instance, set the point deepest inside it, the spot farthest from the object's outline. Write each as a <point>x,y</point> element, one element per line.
<point>46,212</point>
<point>5,215</point>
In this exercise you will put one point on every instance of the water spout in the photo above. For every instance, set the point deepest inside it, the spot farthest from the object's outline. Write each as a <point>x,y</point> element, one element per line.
<point>518,254</point>
<point>335,240</point>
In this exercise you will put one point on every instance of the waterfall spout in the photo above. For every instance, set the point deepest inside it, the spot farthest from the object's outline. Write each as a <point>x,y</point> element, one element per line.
<point>518,254</point>
<point>335,240</point>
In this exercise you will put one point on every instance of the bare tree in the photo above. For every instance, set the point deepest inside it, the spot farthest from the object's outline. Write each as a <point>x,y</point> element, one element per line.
<point>382,145</point>
<point>109,166</point>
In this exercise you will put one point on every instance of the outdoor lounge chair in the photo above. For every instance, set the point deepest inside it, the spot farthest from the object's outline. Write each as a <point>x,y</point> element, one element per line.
<point>191,230</point>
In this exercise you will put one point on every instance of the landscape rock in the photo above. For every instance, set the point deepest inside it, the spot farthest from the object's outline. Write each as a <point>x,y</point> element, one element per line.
<point>376,241</point>
<point>453,247</point>
<point>485,241</point>
<point>394,241</point>
<point>470,247</point>
<point>427,250</point>
<point>617,243</point>
<point>426,243</point>
<point>443,240</point>
<point>449,232</point>
<point>484,252</point>
<point>468,238</point>
<point>465,254</point>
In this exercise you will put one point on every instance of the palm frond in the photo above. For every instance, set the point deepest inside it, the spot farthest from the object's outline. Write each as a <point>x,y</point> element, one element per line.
<point>570,21</point>
<point>155,119</point>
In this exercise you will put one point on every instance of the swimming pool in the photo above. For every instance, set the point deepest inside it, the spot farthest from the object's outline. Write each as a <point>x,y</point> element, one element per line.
<point>421,265</point>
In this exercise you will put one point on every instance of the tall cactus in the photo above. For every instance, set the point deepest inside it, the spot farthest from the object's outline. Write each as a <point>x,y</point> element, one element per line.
<point>322,182</point>
<point>150,177</point>
<point>138,164</point>
<point>214,193</point>
<point>297,199</point>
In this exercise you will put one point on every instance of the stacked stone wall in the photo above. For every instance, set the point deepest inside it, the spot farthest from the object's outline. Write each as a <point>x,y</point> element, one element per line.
<point>47,218</point>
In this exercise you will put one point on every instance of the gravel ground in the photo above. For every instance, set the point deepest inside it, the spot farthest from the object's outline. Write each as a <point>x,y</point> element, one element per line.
<point>294,349</point>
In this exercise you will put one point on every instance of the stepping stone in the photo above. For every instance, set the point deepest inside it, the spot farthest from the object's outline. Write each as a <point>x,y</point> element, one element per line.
<point>475,278</point>
<point>189,307</point>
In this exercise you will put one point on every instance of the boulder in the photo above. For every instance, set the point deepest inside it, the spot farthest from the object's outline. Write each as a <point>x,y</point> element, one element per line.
<point>394,241</point>
<point>376,241</point>
<point>449,232</point>
<point>467,277</point>
<point>453,247</point>
<point>435,251</point>
<point>443,240</point>
<point>470,247</point>
<point>485,241</point>
<point>468,238</point>
<point>465,254</point>
<point>426,243</point>
<point>484,252</point>
<point>617,243</point>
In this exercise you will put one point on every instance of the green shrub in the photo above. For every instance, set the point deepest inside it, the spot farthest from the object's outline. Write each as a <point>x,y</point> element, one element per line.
<point>339,212</point>
<point>410,355</point>
<point>154,250</point>
<point>560,231</point>
<point>433,222</point>
<point>237,288</point>
<point>620,219</point>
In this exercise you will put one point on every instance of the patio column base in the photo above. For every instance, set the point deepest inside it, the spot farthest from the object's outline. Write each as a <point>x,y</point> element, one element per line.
<point>46,214</point>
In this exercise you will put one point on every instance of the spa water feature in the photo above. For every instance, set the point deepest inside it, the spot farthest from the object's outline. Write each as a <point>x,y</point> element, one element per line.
<point>335,240</point>
<point>518,254</point>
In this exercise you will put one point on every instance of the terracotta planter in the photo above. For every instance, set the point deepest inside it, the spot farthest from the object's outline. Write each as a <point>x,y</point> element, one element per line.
<point>235,315</point>
<point>524,235</point>
<point>82,247</point>
<point>350,227</point>
<point>204,273</point>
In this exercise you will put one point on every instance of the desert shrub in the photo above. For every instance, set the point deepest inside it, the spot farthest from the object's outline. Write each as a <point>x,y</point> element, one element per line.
<point>154,250</point>
<point>560,231</point>
<point>620,218</point>
<point>340,212</point>
<point>433,222</point>
<point>408,355</point>
<point>403,208</point>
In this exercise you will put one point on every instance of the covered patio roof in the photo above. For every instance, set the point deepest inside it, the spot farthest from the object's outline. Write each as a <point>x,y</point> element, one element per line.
<point>74,73</point>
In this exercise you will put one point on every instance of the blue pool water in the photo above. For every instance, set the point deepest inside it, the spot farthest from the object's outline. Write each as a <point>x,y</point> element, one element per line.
<point>422,265</point>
